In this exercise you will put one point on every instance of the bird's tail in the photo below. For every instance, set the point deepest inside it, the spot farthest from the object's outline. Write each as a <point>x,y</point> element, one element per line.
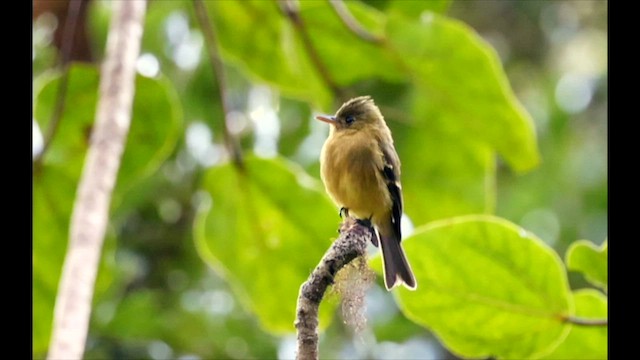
<point>396,267</point>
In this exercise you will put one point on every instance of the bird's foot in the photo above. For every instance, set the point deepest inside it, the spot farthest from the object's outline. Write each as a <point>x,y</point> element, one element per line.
<point>367,223</point>
<point>345,211</point>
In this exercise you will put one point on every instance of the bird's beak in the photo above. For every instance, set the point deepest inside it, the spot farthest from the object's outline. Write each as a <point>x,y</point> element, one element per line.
<point>327,119</point>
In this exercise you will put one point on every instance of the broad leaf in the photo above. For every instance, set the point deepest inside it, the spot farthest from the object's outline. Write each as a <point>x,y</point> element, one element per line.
<point>266,230</point>
<point>461,112</point>
<point>486,288</point>
<point>461,87</point>
<point>587,258</point>
<point>152,136</point>
<point>256,36</point>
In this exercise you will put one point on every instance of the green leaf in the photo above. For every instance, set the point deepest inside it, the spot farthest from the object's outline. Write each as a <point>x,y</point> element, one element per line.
<point>417,8</point>
<point>585,342</point>
<point>52,202</point>
<point>456,177</point>
<point>348,57</point>
<point>587,258</point>
<point>271,52</point>
<point>153,133</point>
<point>152,136</point>
<point>460,113</point>
<point>268,227</point>
<point>486,288</point>
<point>462,90</point>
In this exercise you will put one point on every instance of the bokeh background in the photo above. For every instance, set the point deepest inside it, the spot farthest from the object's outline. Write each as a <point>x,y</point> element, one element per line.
<point>162,301</point>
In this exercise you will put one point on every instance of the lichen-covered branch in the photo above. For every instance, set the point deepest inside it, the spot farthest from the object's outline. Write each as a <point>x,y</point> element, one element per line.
<point>351,244</point>
<point>91,208</point>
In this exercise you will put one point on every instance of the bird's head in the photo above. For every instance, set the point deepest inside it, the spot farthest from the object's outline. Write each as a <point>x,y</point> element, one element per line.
<point>358,113</point>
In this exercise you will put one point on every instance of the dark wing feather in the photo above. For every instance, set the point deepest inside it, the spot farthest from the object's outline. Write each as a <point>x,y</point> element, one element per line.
<point>391,174</point>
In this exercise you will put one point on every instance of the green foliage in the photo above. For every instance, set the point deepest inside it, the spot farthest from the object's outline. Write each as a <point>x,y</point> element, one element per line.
<point>585,257</point>
<point>153,134</point>
<point>484,282</point>
<point>268,225</point>
<point>585,342</point>
<point>486,287</point>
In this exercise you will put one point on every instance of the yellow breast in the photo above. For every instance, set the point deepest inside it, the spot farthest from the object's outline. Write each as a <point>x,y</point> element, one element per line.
<point>350,167</point>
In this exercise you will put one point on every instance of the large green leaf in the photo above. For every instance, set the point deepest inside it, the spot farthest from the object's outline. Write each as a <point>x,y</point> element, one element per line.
<point>266,230</point>
<point>460,113</point>
<point>461,87</point>
<point>418,8</point>
<point>52,202</point>
<point>486,288</point>
<point>585,342</point>
<point>348,57</point>
<point>152,135</point>
<point>154,131</point>
<point>256,36</point>
<point>587,258</point>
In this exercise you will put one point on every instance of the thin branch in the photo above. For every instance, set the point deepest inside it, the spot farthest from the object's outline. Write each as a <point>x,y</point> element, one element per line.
<point>91,208</point>
<point>70,26</point>
<point>211,42</point>
<point>290,9</point>
<point>352,24</point>
<point>585,322</point>
<point>351,244</point>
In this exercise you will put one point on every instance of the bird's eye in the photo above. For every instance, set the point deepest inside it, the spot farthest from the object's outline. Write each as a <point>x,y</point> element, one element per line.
<point>349,119</point>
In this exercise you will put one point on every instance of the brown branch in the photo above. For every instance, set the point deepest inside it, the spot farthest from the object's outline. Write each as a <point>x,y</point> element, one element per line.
<point>291,11</point>
<point>351,244</point>
<point>68,36</point>
<point>231,143</point>
<point>91,207</point>
<point>352,24</point>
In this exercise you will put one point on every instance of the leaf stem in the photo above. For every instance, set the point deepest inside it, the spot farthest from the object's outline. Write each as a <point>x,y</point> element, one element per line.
<point>352,24</point>
<point>217,65</point>
<point>585,322</point>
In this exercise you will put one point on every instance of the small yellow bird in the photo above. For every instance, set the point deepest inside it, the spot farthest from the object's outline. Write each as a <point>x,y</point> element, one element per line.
<point>361,172</point>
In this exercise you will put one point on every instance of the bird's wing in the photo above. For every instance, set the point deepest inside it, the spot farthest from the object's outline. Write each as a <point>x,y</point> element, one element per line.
<point>391,174</point>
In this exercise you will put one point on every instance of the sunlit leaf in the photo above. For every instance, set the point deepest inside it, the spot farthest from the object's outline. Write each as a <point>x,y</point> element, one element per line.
<point>351,58</point>
<point>153,133</point>
<point>462,111</point>
<point>585,342</point>
<point>271,52</point>
<point>587,258</point>
<point>418,8</point>
<point>486,288</point>
<point>267,229</point>
<point>462,90</point>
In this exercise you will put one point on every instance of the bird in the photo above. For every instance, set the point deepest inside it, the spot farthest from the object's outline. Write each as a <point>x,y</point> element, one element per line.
<point>360,169</point>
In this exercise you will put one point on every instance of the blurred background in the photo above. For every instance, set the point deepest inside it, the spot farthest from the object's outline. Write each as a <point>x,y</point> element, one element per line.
<point>165,302</point>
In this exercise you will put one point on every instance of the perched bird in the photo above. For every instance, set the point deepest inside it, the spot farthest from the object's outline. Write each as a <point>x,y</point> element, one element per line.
<point>361,173</point>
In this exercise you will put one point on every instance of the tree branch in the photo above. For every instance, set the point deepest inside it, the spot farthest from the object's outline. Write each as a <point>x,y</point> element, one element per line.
<point>351,23</point>
<point>91,207</point>
<point>290,9</point>
<point>232,145</point>
<point>351,244</point>
<point>67,40</point>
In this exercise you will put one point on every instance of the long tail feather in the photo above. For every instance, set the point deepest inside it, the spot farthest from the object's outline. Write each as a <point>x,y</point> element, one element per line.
<point>396,268</point>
